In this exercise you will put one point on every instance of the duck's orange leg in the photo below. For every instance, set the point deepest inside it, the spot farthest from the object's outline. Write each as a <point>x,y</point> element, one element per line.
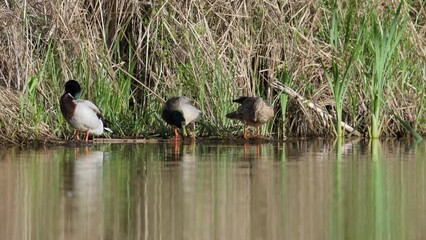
<point>245,131</point>
<point>176,134</point>
<point>176,150</point>
<point>77,137</point>
<point>87,136</point>
<point>257,131</point>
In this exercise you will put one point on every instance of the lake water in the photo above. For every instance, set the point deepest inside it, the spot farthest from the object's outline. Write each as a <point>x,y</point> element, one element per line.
<point>167,190</point>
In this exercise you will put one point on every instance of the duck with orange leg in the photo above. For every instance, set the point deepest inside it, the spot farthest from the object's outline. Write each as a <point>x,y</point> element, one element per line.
<point>253,111</point>
<point>81,114</point>
<point>179,112</point>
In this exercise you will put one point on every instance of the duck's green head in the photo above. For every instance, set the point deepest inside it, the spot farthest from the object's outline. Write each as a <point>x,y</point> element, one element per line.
<point>72,87</point>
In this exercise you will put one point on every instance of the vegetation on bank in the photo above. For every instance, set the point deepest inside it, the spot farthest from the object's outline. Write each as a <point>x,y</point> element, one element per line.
<point>360,61</point>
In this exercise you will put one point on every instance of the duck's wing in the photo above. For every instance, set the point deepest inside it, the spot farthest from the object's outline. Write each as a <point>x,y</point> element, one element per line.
<point>247,110</point>
<point>190,112</point>
<point>90,105</point>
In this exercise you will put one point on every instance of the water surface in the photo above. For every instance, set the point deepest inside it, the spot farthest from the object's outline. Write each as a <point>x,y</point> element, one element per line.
<point>167,190</point>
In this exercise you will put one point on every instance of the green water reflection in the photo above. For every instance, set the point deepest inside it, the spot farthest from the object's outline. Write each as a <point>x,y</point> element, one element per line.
<point>292,190</point>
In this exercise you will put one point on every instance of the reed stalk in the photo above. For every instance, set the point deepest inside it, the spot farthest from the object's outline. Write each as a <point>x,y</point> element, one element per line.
<point>385,39</point>
<point>338,82</point>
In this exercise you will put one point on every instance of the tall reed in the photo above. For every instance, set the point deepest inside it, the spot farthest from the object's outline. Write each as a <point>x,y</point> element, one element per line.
<point>385,39</point>
<point>338,82</point>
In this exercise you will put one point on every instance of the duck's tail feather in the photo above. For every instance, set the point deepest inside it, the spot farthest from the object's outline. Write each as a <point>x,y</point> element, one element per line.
<point>106,123</point>
<point>240,99</point>
<point>232,115</point>
<point>108,130</point>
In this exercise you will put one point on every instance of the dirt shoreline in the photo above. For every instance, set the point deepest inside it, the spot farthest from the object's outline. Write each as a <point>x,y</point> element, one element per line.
<point>95,141</point>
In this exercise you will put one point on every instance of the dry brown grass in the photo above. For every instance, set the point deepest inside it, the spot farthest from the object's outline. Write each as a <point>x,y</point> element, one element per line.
<point>15,122</point>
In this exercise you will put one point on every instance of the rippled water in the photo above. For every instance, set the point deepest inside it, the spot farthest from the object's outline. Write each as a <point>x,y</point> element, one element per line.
<point>291,190</point>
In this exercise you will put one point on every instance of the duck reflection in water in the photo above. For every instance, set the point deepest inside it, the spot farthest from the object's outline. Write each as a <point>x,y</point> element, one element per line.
<point>251,151</point>
<point>83,187</point>
<point>190,152</point>
<point>180,151</point>
<point>84,173</point>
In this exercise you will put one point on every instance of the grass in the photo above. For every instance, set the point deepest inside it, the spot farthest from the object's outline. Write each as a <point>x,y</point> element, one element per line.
<point>338,82</point>
<point>131,56</point>
<point>286,80</point>
<point>385,38</point>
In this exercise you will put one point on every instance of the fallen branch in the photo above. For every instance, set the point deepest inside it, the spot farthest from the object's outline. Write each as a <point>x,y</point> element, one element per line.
<point>277,85</point>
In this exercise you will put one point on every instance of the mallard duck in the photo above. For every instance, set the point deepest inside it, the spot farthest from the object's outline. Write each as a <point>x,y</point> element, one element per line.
<point>81,114</point>
<point>253,111</point>
<point>179,112</point>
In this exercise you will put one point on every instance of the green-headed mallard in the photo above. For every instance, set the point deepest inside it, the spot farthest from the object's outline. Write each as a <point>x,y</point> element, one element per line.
<point>253,111</point>
<point>81,114</point>
<point>179,112</point>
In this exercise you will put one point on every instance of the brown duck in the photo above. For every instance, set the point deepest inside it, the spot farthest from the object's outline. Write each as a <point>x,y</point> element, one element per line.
<point>253,111</point>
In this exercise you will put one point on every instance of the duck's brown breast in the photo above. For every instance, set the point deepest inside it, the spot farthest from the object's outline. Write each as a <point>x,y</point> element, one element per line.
<point>67,106</point>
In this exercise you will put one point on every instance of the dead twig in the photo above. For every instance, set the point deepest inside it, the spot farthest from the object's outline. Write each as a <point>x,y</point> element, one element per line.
<point>312,105</point>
